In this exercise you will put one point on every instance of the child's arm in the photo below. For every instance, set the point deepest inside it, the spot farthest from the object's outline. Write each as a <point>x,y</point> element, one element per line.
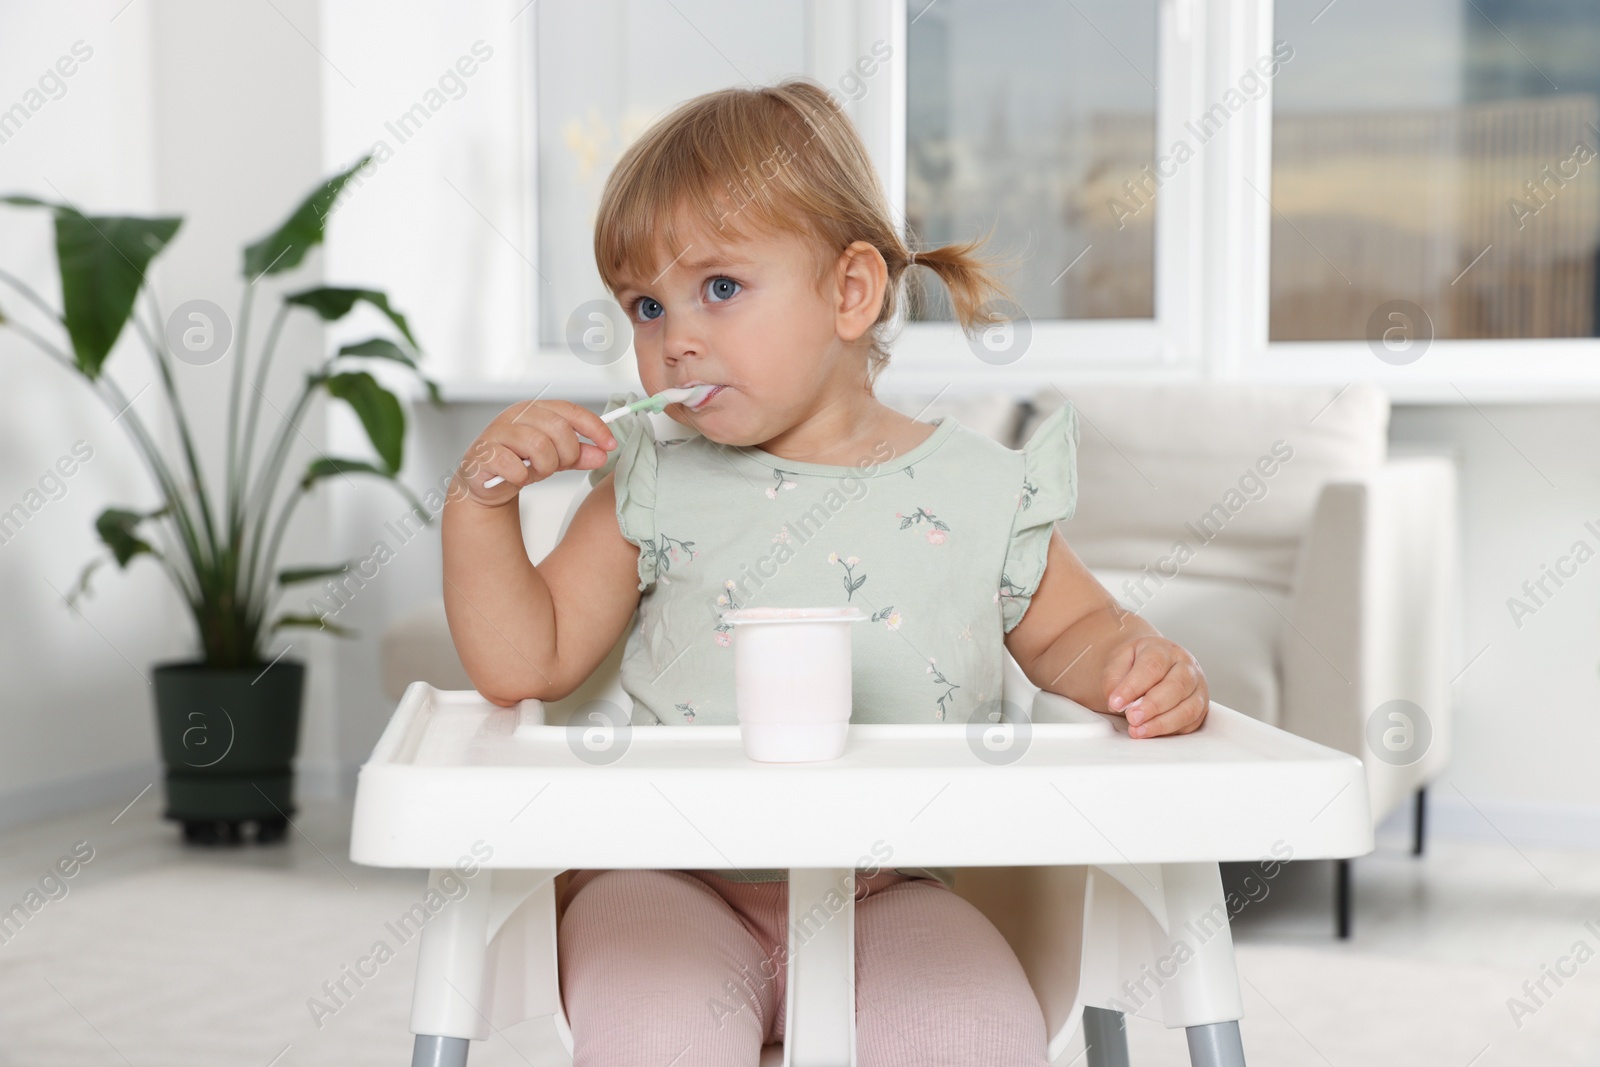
<point>524,631</point>
<point>1076,640</point>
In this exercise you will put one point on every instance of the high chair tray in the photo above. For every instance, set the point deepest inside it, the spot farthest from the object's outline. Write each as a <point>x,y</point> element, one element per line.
<point>452,769</point>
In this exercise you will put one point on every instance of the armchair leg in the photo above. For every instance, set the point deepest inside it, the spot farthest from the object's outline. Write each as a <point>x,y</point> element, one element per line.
<point>1105,1037</point>
<point>430,1051</point>
<point>1342,898</point>
<point>1216,1045</point>
<point>1418,814</point>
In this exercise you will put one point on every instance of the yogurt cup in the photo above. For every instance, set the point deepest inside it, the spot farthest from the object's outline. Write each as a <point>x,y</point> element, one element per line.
<point>791,681</point>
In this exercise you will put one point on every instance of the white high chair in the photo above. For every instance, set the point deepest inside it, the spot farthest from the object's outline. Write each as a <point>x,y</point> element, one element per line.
<point>1116,910</point>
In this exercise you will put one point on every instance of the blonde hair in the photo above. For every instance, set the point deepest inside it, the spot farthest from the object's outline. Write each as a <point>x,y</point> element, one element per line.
<point>783,159</point>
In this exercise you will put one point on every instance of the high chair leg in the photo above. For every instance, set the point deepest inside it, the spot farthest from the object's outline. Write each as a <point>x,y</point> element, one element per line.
<point>1105,1037</point>
<point>449,987</point>
<point>820,1002</point>
<point>1157,944</point>
<point>1215,1045</point>
<point>430,1051</point>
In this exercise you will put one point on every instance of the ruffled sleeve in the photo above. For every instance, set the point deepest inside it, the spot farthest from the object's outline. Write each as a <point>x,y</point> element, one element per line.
<point>1048,494</point>
<point>635,459</point>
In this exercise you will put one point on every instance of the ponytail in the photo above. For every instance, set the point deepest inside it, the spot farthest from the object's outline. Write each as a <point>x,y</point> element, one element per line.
<point>972,282</point>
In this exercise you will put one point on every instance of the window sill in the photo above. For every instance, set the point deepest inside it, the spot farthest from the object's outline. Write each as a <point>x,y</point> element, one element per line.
<point>1458,372</point>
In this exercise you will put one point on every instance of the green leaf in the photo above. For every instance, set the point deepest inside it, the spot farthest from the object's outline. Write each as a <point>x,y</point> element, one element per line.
<point>312,622</point>
<point>285,247</point>
<point>327,467</point>
<point>310,574</point>
<point>334,304</point>
<point>116,526</point>
<point>102,260</point>
<point>81,588</point>
<point>380,413</point>
<point>382,348</point>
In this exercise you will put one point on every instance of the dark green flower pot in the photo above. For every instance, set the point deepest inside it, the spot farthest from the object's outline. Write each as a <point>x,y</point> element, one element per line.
<point>228,739</point>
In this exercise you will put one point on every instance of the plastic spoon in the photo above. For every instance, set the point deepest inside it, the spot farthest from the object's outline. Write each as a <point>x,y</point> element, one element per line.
<point>689,395</point>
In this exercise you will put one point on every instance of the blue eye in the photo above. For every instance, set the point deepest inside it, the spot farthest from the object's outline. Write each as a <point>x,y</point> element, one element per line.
<point>647,309</point>
<point>721,289</point>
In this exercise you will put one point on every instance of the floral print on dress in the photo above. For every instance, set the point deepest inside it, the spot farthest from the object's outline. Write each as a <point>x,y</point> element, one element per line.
<point>851,582</point>
<point>940,679</point>
<point>780,482</point>
<point>1008,590</point>
<point>724,630</point>
<point>665,552</point>
<point>1025,498</point>
<point>888,616</point>
<point>686,709</point>
<point>937,527</point>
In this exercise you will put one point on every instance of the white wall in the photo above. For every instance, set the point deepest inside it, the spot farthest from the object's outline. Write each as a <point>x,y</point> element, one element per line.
<point>441,221</point>
<point>1527,699</point>
<point>75,700</point>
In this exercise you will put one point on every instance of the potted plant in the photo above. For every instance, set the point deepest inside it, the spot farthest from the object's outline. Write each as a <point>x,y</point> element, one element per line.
<point>228,718</point>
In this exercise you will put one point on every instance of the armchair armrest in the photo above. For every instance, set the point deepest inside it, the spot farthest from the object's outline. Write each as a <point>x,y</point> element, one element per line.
<point>1372,615</point>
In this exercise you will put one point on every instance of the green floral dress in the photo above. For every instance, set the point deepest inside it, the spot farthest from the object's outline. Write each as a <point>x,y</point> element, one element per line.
<point>942,547</point>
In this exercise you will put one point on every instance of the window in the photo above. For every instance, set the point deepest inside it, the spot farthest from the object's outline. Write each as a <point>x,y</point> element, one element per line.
<point>1037,118</point>
<point>1040,124</point>
<point>1438,155</point>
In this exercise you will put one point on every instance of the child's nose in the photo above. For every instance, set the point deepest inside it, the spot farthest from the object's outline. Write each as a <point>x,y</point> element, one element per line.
<point>683,338</point>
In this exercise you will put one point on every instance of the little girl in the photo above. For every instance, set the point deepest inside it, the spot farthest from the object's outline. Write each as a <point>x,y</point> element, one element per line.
<point>748,240</point>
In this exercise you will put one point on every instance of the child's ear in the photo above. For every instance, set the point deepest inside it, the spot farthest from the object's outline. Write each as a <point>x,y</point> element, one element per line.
<point>861,278</point>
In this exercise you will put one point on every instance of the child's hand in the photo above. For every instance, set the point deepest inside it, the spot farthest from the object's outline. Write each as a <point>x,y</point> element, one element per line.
<point>1163,682</point>
<point>542,432</point>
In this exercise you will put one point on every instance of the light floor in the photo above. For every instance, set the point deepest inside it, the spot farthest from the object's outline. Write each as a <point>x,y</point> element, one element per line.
<point>167,956</point>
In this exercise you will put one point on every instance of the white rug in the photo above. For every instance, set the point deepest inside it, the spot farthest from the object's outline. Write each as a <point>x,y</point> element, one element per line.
<point>198,965</point>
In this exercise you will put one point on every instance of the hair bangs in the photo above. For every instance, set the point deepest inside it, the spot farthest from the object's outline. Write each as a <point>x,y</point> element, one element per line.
<point>717,173</point>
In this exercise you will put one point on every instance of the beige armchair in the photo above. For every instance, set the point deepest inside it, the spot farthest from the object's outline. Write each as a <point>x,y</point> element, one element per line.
<point>1267,530</point>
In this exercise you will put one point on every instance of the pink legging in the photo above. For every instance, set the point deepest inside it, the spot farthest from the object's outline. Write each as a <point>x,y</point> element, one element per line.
<point>688,969</point>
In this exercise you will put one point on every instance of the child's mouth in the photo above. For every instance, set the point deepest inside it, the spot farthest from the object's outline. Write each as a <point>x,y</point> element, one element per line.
<point>707,399</point>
